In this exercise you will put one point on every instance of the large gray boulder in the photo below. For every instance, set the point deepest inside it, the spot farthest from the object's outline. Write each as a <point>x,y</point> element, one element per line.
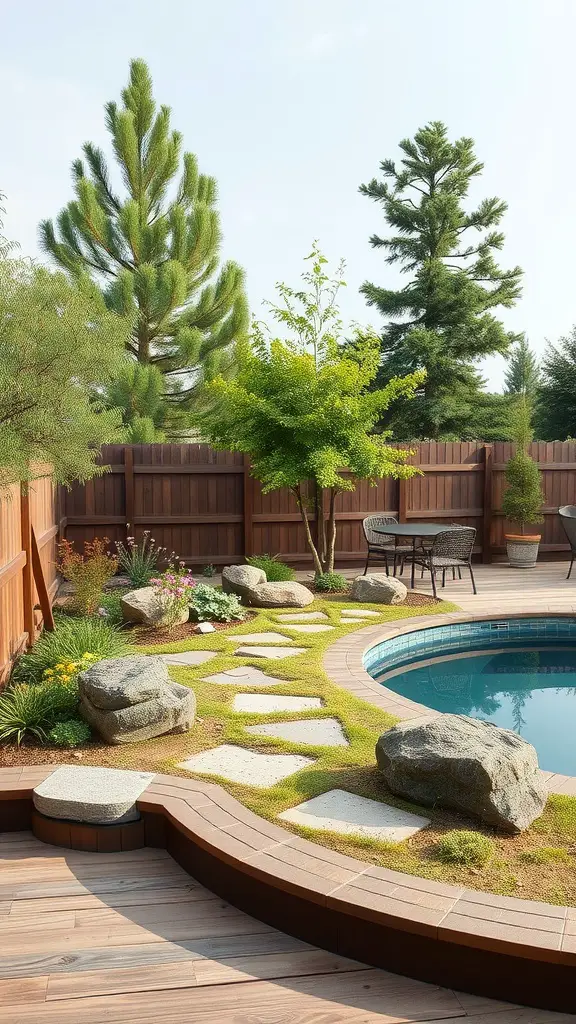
<point>238,579</point>
<point>144,606</point>
<point>279,595</point>
<point>133,698</point>
<point>378,588</point>
<point>467,765</point>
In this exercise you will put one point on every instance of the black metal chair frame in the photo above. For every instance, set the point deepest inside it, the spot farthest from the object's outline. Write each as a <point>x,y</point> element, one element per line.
<point>454,547</point>
<point>386,546</point>
<point>567,515</point>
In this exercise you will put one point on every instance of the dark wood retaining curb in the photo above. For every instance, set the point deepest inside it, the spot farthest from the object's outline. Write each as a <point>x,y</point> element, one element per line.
<point>512,949</point>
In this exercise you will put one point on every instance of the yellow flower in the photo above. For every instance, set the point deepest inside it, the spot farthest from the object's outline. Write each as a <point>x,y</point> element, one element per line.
<point>48,672</point>
<point>70,667</point>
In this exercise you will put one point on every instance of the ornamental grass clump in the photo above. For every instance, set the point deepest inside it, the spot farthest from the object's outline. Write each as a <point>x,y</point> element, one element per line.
<point>139,559</point>
<point>29,711</point>
<point>462,846</point>
<point>174,593</point>
<point>276,571</point>
<point>89,572</point>
<point>73,640</point>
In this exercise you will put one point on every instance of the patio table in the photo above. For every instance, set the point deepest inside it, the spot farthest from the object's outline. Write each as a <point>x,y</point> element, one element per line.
<point>413,530</point>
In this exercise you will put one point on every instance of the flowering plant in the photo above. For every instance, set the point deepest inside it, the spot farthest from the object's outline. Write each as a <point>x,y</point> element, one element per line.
<point>66,671</point>
<point>139,559</point>
<point>88,572</point>
<point>174,590</point>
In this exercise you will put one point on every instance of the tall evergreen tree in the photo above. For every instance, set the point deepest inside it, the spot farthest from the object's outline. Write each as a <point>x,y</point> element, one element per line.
<point>556,407</point>
<point>523,374</point>
<point>154,253</point>
<point>442,320</point>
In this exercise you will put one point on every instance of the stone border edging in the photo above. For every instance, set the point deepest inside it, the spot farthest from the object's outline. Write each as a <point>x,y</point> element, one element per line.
<point>496,946</point>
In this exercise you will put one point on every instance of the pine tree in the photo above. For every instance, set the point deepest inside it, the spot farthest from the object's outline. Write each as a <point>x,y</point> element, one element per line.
<point>523,374</point>
<point>154,253</point>
<point>442,320</point>
<point>556,407</point>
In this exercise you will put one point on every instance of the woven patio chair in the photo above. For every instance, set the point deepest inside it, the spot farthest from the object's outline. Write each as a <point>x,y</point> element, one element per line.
<point>568,519</point>
<point>382,546</point>
<point>451,549</point>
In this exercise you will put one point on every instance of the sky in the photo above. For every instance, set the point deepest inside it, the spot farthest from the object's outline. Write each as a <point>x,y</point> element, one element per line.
<point>291,104</point>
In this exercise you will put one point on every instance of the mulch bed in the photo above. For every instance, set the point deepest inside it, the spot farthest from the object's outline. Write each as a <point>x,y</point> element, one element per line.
<point>144,636</point>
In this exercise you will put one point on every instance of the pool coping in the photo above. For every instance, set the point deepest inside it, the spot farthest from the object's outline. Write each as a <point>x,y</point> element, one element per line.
<point>344,665</point>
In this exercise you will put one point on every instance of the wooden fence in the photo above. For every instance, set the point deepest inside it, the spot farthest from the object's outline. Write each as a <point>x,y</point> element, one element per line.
<point>205,506</point>
<point>28,579</point>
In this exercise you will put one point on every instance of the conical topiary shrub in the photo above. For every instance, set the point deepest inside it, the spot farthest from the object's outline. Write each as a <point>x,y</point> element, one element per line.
<point>523,498</point>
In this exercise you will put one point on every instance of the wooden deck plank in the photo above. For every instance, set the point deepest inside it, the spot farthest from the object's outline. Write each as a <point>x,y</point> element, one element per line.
<point>22,990</point>
<point>89,901</point>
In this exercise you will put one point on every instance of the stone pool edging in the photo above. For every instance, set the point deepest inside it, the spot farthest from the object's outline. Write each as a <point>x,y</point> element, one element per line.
<point>344,664</point>
<point>498,946</point>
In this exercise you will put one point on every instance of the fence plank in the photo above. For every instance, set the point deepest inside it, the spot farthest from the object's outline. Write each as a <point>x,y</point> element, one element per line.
<point>129,487</point>
<point>248,510</point>
<point>487,522</point>
<point>27,572</point>
<point>41,585</point>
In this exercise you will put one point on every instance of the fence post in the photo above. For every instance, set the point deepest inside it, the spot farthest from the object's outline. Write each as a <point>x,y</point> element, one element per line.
<point>402,500</point>
<point>43,595</point>
<point>129,489</point>
<point>248,509</point>
<point>27,578</point>
<point>487,518</point>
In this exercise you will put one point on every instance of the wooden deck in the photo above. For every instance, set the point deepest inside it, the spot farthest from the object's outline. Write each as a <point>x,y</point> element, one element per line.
<point>92,937</point>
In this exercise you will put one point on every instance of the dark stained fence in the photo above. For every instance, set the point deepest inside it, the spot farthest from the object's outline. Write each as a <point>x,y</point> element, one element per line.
<point>205,505</point>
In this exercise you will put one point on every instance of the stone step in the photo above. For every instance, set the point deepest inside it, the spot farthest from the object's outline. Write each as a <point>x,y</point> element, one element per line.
<point>267,703</point>
<point>246,766</point>
<point>319,732</point>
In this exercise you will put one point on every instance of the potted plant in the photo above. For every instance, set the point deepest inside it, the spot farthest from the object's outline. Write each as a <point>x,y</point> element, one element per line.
<point>523,498</point>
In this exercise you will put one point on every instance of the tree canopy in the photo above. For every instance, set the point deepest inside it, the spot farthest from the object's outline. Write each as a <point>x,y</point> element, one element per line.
<point>522,375</point>
<point>153,250</point>
<point>442,320</point>
<point>556,408</point>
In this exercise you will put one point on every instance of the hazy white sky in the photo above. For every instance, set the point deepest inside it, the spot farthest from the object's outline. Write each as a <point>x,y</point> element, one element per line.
<point>292,103</point>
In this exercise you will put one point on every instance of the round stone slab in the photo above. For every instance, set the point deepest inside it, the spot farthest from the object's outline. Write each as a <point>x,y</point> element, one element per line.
<point>352,815</point>
<point>320,732</point>
<point>98,796</point>
<point>246,675</point>
<point>248,766</point>
<point>265,703</point>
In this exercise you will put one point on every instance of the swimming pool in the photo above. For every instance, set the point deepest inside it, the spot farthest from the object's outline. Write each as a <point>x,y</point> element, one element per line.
<point>517,673</point>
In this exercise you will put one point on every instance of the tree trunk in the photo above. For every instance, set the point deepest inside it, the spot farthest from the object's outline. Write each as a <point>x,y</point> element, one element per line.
<point>309,539</point>
<point>320,524</point>
<point>331,531</point>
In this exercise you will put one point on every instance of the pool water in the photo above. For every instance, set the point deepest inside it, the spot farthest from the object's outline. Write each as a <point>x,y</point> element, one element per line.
<point>530,691</point>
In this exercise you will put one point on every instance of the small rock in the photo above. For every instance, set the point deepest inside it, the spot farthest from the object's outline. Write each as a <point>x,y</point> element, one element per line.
<point>377,588</point>
<point>205,627</point>
<point>238,579</point>
<point>77,755</point>
<point>279,595</point>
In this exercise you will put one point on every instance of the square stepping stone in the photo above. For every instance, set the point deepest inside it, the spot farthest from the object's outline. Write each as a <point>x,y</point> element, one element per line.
<point>247,766</point>
<point>188,657</point>
<point>301,616</point>
<point>266,703</point>
<point>268,652</point>
<point>261,638</point>
<point>361,613</point>
<point>351,815</point>
<point>99,796</point>
<point>311,627</point>
<point>246,675</point>
<point>321,732</point>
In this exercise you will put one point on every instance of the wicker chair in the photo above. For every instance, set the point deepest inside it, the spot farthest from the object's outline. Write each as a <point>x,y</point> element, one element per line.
<point>451,549</point>
<point>382,546</point>
<point>568,519</point>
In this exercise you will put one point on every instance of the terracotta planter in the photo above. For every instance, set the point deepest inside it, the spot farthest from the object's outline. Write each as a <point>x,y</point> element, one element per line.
<point>522,550</point>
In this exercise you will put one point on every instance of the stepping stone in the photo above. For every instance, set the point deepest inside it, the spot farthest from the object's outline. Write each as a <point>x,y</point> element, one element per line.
<point>188,657</point>
<point>302,617</point>
<point>311,628</point>
<point>246,675</point>
<point>348,814</point>
<point>247,766</point>
<point>322,732</point>
<point>261,638</point>
<point>268,652</point>
<point>360,613</point>
<point>266,703</point>
<point>350,619</point>
<point>100,796</point>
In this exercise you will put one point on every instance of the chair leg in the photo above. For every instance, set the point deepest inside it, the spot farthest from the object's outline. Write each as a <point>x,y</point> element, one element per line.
<point>433,578</point>
<point>571,564</point>
<point>367,561</point>
<point>472,578</point>
<point>394,564</point>
<point>453,572</point>
<point>443,577</point>
<point>459,573</point>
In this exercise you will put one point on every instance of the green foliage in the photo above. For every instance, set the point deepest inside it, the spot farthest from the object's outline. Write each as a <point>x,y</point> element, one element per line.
<point>110,607</point>
<point>556,406</point>
<point>208,571</point>
<point>71,732</point>
<point>89,572</point>
<point>303,408</point>
<point>523,374</point>
<point>139,560</point>
<point>546,855</point>
<point>70,641</point>
<point>32,710</point>
<point>275,570</point>
<point>154,251</point>
<point>442,318</point>
<point>461,846</point>
<point>523,498</point>
<point>330,582</point>
<point>59,344</point>
<point>209,604</point>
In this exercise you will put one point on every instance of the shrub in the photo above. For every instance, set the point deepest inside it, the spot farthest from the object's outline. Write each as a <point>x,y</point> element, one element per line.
<point>465,847</point>
<point>33,710</point>
<point>545,855</point>
<point>275,570</point>
<point>88,572</point>
<point>209,571</point>
<point>330,582</point>
<point>71,641</point>
<point>139,560</point>
<point>70,733</point>
<point>110,607</point>
<point>174,592</point>
<point>211,604</point>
